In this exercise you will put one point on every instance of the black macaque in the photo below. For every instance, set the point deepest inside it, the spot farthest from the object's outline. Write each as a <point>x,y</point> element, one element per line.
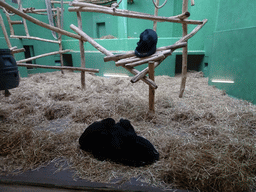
<point>117,142</point>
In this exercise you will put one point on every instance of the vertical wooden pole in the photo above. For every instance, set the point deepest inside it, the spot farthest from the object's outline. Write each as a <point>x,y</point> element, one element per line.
<point>23,20</point>
<point>151,75</point>
<point>5,32</point>
<point>156,14</point>
<point>60,39</point>
<point>9,22</point>
<point>81,44</point>
<point>184,52</point>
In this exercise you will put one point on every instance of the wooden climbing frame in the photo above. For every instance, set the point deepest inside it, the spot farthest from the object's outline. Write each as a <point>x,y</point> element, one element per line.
<point>129,60</point>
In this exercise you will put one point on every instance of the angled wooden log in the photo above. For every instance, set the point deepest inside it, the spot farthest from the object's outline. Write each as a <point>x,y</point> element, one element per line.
<point>144,72</point>
<point>90,40</point>
<point>192,33</point>
<point>108,53</point>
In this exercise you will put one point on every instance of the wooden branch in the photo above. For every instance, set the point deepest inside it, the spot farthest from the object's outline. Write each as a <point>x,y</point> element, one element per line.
<point>145,79</point>
<point>34,38</point>
<point>126,13</point>
<point>16,22</point>
<point>18,50</point>
<point>33,10</point>
<point>9,22</point>
<point>91,40</point>
<point>60,39</point>
<point>184,52</point>
<point>12,48</point>
<point>183,15</point>
<point>64,2</point>
<point>58,67</point>
<point>83,4</point>
<point>144,72</point>
<point>192,33</point>
<point>151,90</point>
<point>155,14</point>
<point>37,22</point>
<point>43,55</point>
<point>131,53</point>
<point>24,21</point>
<point>81,45</point>
<point>137,59</point>
<point>5,32</point>
<point>154,58</point>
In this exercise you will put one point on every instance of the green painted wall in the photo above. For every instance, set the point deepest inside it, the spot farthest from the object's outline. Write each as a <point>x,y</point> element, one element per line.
<point>233,55</point>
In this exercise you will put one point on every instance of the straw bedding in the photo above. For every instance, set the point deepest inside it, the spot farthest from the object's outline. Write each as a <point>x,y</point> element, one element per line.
<point>206,139</point>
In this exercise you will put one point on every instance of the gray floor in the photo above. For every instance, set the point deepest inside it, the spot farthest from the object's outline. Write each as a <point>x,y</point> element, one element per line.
<point>46,179</point>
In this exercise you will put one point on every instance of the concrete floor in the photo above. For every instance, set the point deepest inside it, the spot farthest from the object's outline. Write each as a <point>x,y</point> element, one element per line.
<point>47,179</point>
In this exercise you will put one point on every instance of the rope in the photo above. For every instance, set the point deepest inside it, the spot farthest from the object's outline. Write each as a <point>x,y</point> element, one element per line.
<point>159,7</point>
<point>50,16</point>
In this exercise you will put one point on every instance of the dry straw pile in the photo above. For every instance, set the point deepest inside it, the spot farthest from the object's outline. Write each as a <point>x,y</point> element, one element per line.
<point>206,139</point>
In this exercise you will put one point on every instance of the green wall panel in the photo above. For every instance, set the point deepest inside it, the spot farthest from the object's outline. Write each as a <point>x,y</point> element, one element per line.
<point>234,58</point>
<point>236,14</point>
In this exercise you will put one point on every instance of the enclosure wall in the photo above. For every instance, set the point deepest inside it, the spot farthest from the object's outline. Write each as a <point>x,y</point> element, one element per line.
<point>233,55</point>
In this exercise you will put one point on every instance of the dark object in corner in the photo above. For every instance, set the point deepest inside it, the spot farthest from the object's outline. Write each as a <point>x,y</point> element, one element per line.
<point>117,142</point>
<point>9,74</point>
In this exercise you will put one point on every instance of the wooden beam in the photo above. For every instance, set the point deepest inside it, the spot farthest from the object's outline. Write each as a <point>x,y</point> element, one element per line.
<point>34,38</point>
<point>90,40</point>
<point>58,67</point>
<point>43,55</point>
<point>126,13</point>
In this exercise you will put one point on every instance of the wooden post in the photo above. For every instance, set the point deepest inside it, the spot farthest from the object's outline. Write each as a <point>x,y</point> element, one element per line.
<point>24,20</point>
<point>81,45</point>
<point>155,14</point>
<point>151,90</point>
<point>5,32</point>
<point>184,52</point>
<point>60,39</point>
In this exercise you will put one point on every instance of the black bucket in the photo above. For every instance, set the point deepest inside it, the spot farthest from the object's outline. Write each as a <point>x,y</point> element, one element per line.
<point>9,74</point>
